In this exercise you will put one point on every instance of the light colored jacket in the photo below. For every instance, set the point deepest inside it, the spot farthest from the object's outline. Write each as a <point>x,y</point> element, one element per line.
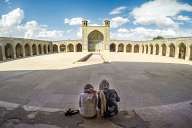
<point>88,104</point>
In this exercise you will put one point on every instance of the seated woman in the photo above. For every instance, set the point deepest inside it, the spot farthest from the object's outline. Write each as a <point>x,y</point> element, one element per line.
<point>107,100</point>
<point>88,102</point>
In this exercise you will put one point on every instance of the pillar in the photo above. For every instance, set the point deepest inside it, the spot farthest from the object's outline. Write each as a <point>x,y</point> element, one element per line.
<point>31,51</point>
<point>14,52</point>
<point>23,49</point>
<point>187,55</point>
<point>154,50</point>
<point>167,51</point>
<point>42,50</point>
<point>3,53</point>
<point>117,47</point>
<point>149,49</point>
<point>124,48</point>
<point>37,49</point>
<point>160,50</point>
<point>75,47</point>
<point>176,51</point>
<point>58,47</point>
<point>132,48</point>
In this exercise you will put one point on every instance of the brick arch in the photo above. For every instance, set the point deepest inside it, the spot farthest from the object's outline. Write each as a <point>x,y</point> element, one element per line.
<point>129,48</point>
<point>19,50</point>
<point>9,53</point>
<point>121,47</point>
<point>172,50</point>
<point>112,47</point>
<point>182,51</point>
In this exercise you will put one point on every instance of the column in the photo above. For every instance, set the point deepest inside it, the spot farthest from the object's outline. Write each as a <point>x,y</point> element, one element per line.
<point>14,52</point>
<point>117,47</point>
<point>187,55</point>
<point>3,53</point>
<point>75,48</point>
<point>23,49</point>
<point>149,49</point>
<point>132,48</point>
<point>167,51</point>
<point>176,52</point>
<point>160,49</point>
<point>31,51</point>
<point>124,48</point>
<point>37,49</point>
<point>154,50</point>
<point>140,49</point>
<point>58,47</point>
<point>42,50</point>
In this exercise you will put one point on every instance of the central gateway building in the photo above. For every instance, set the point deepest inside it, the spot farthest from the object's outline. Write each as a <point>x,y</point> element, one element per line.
<point>95,38</point>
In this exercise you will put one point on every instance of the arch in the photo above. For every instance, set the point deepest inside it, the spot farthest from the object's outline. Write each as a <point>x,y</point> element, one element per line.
<point>136,48</point>
<point>151,49</point>
<point>146,49</point>
<point>40,49</point>
<point>121,47</point>
<point>55,48</point>
<point>172,50</point>
<point>62,48</point>
<point>190,58</point>
<point>1,54</point>
<point>182,50</point>
<point>129,48</point>
<point>9,54</point>
<point>79,47</point>
<point>157,49</point>
<point>45,49</point>
<point>19,50</point>
<point>95,40</point>
<point>27,50</point>
<point>70,48</point>
<point>34,49</point>
<point>143,49</point>
<point>164,49</point>
<point>112,47</point>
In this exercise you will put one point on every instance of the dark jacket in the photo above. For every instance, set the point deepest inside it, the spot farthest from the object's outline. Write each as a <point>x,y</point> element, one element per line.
<point>112,98</point>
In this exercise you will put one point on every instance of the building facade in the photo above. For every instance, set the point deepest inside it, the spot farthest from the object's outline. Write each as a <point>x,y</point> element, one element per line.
<point>95,39</point>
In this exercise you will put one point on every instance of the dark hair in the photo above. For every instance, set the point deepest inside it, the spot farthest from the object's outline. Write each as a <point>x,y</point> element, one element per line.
<point>104,85</point>
<point>88,87</point>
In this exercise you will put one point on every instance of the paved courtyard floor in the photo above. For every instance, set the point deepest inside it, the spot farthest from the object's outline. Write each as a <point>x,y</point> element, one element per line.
<point>55,82</point>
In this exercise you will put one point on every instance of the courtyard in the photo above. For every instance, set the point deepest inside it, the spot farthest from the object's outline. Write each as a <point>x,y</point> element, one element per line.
<point>56,80</point>
<point>146,83</point>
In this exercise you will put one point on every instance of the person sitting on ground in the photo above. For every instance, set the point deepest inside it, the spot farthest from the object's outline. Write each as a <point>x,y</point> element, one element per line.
<point>88,102</point>
<point>107,100</point>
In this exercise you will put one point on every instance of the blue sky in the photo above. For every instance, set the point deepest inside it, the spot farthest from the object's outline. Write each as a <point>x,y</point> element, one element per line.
<point>130,19</point>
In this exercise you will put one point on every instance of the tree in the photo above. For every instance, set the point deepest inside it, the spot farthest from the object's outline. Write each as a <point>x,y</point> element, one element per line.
<point>158,38</point>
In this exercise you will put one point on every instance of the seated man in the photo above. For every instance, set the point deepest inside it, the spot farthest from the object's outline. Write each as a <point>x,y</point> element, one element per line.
<point>110,101</point>
<point>88,102</point>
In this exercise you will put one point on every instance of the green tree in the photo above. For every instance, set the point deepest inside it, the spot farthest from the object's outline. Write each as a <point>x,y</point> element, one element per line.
<point>158,38</point>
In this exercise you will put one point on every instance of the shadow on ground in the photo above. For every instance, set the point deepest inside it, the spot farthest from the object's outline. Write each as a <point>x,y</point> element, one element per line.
<point>19,118</point>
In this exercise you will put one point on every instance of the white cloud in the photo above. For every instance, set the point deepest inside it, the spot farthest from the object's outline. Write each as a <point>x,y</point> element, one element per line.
<point>141,33</point>
<point>118,10</point>
<point>11,25</point>
<point>11,19</point>
<point>79,33</point>
<point>73,21</point>
<point>118,21</point>
<point>183,18</point>
<point>34,30</point>
<point>159,12</point>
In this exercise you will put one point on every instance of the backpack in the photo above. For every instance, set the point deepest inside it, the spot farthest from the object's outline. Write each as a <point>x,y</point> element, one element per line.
<point>112,98</point>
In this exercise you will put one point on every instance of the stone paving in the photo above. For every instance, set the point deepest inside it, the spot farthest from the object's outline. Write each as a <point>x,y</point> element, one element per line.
<point>55,81</point>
